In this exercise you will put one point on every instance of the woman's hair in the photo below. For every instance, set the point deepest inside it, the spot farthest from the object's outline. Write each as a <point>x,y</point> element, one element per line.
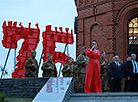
<point>94,41</point>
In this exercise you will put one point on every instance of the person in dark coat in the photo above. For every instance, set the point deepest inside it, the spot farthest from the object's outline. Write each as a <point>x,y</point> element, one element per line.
<point>124,67</point>
<point>116,74</point>
<point>132,74</point>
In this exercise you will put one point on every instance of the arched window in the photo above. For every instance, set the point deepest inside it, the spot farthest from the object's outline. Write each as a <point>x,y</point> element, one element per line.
<point>133,31</point>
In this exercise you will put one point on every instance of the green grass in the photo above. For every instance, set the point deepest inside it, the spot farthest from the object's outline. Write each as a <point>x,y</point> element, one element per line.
<point>18,100</point>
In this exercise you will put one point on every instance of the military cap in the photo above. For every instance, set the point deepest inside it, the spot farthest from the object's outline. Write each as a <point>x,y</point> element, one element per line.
<point>33,51</point>
<point>84,47</point>
<point>49,55</point>
<point>69,58</point>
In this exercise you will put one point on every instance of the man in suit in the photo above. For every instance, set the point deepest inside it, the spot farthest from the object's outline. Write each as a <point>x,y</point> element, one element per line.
<point>124,68</point>
<point>116,74</point>
<point>132,74</point>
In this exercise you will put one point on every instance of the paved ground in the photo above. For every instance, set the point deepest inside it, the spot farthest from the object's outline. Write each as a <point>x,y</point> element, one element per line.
<point>104,97</point>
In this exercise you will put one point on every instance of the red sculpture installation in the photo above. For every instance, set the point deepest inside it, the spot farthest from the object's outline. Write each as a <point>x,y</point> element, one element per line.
<point>50,38</point>
<point>12,34</point>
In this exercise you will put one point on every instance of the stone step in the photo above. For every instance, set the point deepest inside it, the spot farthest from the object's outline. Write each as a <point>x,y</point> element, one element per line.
<point>104,97</point>
<point>22,87</point>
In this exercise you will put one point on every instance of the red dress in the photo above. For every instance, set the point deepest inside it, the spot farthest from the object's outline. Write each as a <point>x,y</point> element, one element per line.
<point>93,76</point>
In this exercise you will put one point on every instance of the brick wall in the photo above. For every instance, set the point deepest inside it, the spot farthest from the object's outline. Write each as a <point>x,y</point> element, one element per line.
<point>105,21</point>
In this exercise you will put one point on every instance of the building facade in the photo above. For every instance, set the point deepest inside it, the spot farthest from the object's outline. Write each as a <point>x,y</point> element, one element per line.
<point>113,23</point>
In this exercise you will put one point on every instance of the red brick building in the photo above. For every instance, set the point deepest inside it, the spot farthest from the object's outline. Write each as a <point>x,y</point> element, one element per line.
<point>113,23</point>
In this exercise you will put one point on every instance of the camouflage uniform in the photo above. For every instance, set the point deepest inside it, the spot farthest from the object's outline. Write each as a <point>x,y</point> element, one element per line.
<point>49,72</point>
<point>67,72</point>
<point>104,74</point>
<point>31,71</point>
<point>82,66</point>
<point>76,80</point>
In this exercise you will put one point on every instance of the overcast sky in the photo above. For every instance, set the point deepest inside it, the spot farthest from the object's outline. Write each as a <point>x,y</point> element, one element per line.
<point>58,13</point>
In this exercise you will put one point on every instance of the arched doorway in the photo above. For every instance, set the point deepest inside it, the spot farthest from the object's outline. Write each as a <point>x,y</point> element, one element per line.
<point>133,36</point>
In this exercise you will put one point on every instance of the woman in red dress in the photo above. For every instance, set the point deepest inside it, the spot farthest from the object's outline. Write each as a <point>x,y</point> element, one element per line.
<point>93,76</point>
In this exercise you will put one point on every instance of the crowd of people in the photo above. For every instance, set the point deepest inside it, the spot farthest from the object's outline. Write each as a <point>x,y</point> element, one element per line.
<point>91,71</point>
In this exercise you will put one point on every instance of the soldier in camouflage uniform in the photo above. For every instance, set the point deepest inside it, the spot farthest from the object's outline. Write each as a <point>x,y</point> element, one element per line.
<point>31,66</point>
<point>76,80</point>
<point>49,68</point>
<point>82,61</point>
<point>104,65</point>
<point>67,70</point>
